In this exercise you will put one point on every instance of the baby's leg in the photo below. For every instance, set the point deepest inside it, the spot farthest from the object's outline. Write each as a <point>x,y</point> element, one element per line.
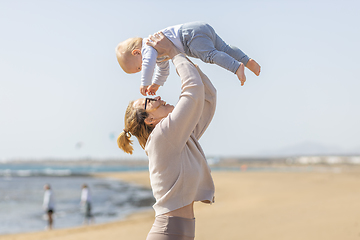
<point>240,73</point>
<point>253,66</point>
<point>199,41</point>
<point>203,48</point>
<point>223,60</point>
<point>239,55</point>
<point>233,51</point>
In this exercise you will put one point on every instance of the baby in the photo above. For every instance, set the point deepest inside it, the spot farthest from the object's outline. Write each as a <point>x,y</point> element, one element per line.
<point>195,39</point>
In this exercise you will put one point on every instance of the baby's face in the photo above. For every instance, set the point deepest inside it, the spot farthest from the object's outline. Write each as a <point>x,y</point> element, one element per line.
<point>134,64</point>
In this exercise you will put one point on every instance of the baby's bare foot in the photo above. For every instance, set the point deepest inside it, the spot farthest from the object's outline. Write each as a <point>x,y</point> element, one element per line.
<point>253,66</point>
<point>241,74</point>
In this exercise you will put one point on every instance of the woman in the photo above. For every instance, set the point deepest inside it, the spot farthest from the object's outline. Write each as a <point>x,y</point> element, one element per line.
<point>49,205</point>
<point>85,201</point>
<point>179,173</point>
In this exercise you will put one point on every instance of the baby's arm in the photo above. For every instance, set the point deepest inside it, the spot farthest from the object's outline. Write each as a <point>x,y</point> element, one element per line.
<point>149,55</point>
<point>151,90</point>
<point>162,71</point>
<point>143,90</point>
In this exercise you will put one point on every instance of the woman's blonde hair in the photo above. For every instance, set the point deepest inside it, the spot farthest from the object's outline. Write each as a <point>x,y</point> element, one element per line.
<point>134,125</point>
<point>125,48</point>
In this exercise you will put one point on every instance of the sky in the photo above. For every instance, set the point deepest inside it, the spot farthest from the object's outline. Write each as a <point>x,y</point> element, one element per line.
<point>63,94</point>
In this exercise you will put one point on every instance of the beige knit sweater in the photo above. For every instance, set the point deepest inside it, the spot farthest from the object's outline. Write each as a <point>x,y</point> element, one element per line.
<point>179,172</point>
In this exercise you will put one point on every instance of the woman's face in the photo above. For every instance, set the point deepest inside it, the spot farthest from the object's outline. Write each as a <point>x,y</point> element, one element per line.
<point>157,108</point>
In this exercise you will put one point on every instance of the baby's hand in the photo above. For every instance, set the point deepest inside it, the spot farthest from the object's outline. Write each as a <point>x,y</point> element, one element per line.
<point>143,90</point>
<point>151,90</point>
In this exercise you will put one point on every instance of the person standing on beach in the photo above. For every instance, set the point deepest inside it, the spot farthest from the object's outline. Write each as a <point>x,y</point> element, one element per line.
<point>86,204</point>
<point>49,205</point>
<point>179,172</point>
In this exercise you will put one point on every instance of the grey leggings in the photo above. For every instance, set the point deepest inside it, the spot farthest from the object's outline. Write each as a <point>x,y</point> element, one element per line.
<point>200,41</point>
<point>172,228</point>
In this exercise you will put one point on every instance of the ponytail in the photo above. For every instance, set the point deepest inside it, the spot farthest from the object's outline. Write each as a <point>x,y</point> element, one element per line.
<point>124,142</point>
<point>134,125</point>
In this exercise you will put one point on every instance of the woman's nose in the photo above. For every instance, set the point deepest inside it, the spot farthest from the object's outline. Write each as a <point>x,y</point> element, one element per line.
<point>157,98</point>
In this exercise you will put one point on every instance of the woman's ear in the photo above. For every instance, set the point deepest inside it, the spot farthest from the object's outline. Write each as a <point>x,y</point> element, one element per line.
<point>149,120</point>
<point>135,52</point>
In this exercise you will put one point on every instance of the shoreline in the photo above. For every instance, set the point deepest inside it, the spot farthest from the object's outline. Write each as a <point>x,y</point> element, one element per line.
<point>133,177</point>
<point>248,205</point>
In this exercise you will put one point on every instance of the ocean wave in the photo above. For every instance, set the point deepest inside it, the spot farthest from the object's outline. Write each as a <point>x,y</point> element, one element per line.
<point>36,173</point>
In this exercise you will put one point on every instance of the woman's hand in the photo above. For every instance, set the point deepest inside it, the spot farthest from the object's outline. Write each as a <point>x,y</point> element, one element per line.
<point>163,46</point>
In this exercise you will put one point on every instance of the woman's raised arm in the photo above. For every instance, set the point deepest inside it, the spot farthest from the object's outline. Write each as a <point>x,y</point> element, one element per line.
<point>163,46</point>
<point>180,124</point>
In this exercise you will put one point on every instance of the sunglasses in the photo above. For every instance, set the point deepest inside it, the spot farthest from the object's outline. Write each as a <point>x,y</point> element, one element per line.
<point>149,100</point>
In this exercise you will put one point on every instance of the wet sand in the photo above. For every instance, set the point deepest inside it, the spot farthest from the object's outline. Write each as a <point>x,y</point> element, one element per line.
<point>318,205</point>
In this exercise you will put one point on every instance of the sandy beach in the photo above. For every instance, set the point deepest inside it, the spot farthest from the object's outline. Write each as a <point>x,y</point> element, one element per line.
<point>323,204</point>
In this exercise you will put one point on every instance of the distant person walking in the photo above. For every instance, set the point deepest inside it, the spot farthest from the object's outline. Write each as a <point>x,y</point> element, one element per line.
<point>86,204</point>
<point>49,205</point>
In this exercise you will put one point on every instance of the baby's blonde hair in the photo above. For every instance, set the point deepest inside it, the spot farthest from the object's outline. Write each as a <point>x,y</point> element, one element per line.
<point>123,50</point>
<point>134,125</point>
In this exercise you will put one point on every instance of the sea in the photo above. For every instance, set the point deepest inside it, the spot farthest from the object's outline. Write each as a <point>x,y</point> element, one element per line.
<point>22,191</point>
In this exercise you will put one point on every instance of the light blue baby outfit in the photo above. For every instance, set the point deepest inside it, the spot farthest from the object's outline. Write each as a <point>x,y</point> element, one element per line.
<point>196,39</point>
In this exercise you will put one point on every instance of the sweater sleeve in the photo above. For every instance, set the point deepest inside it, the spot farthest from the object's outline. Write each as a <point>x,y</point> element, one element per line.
<point>180,124</point>
<point>209,106</point>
